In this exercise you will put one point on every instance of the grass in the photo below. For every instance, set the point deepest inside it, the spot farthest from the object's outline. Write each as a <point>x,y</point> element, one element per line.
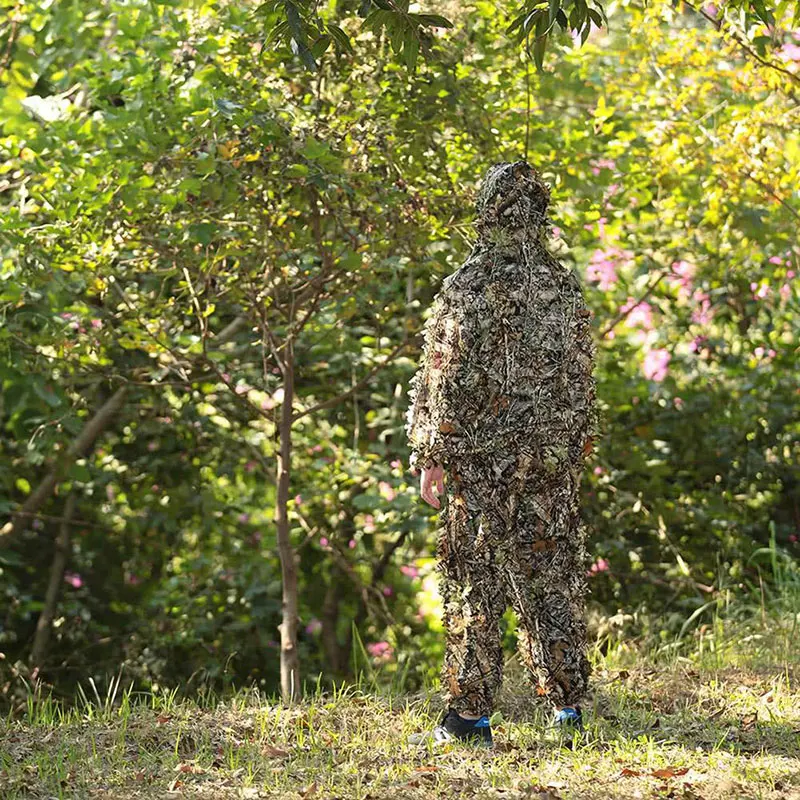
<point>712,713</point>
<point>720,721</point>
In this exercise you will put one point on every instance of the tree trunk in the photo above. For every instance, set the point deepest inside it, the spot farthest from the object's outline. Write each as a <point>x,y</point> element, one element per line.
<point>45,624</point>
<point>93,428</point>
<point>290,664</point>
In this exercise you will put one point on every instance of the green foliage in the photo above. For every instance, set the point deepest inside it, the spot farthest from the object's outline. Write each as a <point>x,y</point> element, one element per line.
<point>164,175</point>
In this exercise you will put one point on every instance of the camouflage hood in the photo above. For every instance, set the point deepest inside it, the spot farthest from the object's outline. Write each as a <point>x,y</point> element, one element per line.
<point>512,200</point>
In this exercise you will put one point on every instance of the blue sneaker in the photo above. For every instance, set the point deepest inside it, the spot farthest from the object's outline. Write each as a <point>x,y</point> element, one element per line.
<point>455,727</point>
<point>569,718</point>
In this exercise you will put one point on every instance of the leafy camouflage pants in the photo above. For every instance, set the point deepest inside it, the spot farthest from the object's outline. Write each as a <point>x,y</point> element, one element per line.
<point>512,534</point>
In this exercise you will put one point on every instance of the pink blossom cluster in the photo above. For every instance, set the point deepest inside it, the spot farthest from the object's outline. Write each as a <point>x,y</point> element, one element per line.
<point>409,571</point>
<point>602,163</point>
<point>702,313</point>
<point>603,266</point>
<point>639,314</point>
<point>601,565</point>
<point>760,352</point>
<point>73,579</point>
<point>683,273</point>
<point>380,650</point>
<point>656,363</point>
<point>387,491</point>
<point>314,626</point>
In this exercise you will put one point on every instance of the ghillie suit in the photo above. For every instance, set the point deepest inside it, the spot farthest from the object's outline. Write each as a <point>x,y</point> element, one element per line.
<point>504,399</point>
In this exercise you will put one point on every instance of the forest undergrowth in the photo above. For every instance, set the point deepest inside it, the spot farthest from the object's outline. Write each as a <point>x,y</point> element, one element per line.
<point>714,714</point>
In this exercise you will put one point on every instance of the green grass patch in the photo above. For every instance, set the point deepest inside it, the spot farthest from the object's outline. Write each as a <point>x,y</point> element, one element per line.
<point>719,719</point>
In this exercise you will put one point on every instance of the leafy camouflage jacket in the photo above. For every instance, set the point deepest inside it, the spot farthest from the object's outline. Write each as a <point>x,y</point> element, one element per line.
<point>508,357</point>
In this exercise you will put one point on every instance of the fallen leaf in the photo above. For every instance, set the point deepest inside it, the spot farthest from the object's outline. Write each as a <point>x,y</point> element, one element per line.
<point>270,751</point>
<point>626,772</point>
<point>310,791</point>
<point>190,768</point>
<point>430,768</point>
<point>163,719</point>
<point>175,785</point>
<point>669,772</point>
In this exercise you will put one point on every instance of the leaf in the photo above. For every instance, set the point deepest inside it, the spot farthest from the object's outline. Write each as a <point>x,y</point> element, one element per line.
<point>270,751</point>
<point>341,39</point>
<point>434,20</point>
<point>410,52</point>
<point>310,791</point>
<point>23,485</point>
<point>595,17</point>
<point>626,772</point>
<point>538,50</point>
<point>669,772</point>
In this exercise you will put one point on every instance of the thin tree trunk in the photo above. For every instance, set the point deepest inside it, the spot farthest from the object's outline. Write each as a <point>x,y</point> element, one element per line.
<point>334,652</point>
<point>290,663</point>
<point>93,428</point>
<point>45,624</point>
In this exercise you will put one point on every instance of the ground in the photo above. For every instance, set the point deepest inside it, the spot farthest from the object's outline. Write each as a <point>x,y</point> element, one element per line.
<point>708,727</point>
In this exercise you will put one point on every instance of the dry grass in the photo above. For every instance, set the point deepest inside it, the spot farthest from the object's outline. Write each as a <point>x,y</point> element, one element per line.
<point>688,729</point>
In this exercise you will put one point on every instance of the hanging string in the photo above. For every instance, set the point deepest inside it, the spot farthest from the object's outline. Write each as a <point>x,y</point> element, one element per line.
<point>528,92</point>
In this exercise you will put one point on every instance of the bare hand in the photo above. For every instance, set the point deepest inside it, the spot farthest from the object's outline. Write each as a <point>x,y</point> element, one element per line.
<point>432,478</point>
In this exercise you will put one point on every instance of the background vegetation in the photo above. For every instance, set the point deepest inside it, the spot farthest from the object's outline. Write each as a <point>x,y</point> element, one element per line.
<point>197,224</point>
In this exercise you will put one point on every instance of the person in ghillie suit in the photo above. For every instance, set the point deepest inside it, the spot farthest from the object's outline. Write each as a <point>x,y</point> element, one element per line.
<point>503,403</point>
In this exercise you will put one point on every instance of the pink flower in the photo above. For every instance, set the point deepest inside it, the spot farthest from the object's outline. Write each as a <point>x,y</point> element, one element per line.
<point>409,571</point>
<point>386,491</point>
<point>298,499</point>
<point>678,402</point>
<point>684,273</point>
<point>73,579</point>
<point>97,323</point>
<point>760,291</point>
<point>702,313</point>
<point>790,274</point>
<point>557,231</point>
<point>250,466</point>
<point>655,364</point>
<point>785,291</point>
<point>790,52</point>
<point>369,523</point>
<point>243,518</point>
<point>396,464</point>
<point>603,269</point>
<point>380,650</point>
<point>639,314</point>
<point>314,626</point>
<point>775,260</point>
<point>793,538</point>
<point>602,163</point>
<point>697,343</point>
<point>710,9</point>
<point>388,591</point>
<point>352,544</point>
<point>598,470</point>
<point>601,565</point>
<point>323,540</point>
<point>152,447</point>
